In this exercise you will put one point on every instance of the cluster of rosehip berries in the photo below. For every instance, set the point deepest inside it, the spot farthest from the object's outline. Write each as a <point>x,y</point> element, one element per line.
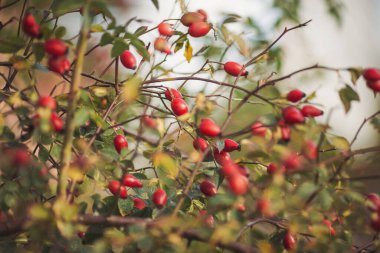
<point>372,77</point>
<point>49,103</point>
<point>56,48</point>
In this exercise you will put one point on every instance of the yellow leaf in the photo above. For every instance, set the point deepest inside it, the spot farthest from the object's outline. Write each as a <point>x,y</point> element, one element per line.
<point>97,28</point>
<point>165,164</point>
<point>188,51</point>
<point>341,143</point>
<point>131,89</point>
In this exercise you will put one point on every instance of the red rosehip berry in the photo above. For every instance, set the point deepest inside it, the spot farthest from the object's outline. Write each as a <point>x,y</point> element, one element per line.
<point>123,193</point>
<point>234,68</point>
<point>203,13</point>
<point>120,142</point>
<point>171,93</point>
<point>375,222</point>
<point>373,202</point>
<point>159,198</point>
<point>162,45</point>
<point>241,208</point>
<point>200,144</point>
<point>30,26</point>
<point>311,111</point>
<point>330,227</point>
<point>295,95</point>
<point>238,184</point>
<point>209,128</point>
<point>371,74</point>
<point>179,106</point>
<point>20,157</point>
<point>81,234</point>
<point>114,187</point>
<point>292,162</point>
<point>258,129</point>
<point>59,64</point>
<point>374,85</point>
<point>128,60</point>
<point>131,181</point>
<point>222,157</point>
<point>47,102</point>
<point>139,203</point>
<point>264,207</point>
<point>229,168</point>
<point>207,218</point>
<point>199,29</point>
<point>55,47</point>
<point>292,115</point>
<point>289,242</point>
<point>56,122</point>
<point>231,145</point>
<point>208,188</point>
<point>149,122</point>
<point>190,18</point>
<point>243,171</point>
<point>310,150</point>
<point>286,131</point>
<point>273,168</point>
<point>165,29</point>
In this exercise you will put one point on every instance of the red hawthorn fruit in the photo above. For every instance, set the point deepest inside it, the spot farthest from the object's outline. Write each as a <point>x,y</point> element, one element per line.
<point>55,47</point>
<point>128,60</point>
<point>56,122</point>
<point>81,234</point>
<point>273,168</point>
<point>203,13</point>
<point>59,64</point>
<point>229,168</point>
<point>131,181</point>
<point>179,106</point>
<point>373,202</point>
<point>310,150</point>
<point>149,122</point>
<point>222,157</point>
<point>289,242</point>
<point>190,18</point>
<point>139,203</point>
<point>114,187</point>
<point>292,162</point>
<point>230,145</point>
<point>171,93</point>
<point>292,115</point>
<point>120,142</point>
<point>241,208</point>
<point>199,29</point>
<point>209,128</point>
<point>208,188</point>
<point>374,85</point>
<point>123,192</point>
<point>311,111</point>
<point>165,29</point>
<point>264,207</point>
<point>20,157</point>
<point>47,102</point>
<point>162,45</point>
<point>234,68</point>
<point>238,184</point>
<point>286,131</point>
<point>200,144</point>
<point>159,198</point>
<point>295,95</point>
<point>330,227</point>
<point>258,129</point>
<point>30,26</point>
<point>371,74</point>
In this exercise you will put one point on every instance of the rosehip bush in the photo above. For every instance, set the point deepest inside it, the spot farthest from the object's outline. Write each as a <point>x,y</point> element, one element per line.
<point>138,156</point>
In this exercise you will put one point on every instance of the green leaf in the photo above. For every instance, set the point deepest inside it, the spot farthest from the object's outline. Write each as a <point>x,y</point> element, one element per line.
<point>119,46</point>
<point>60,7</point>
<point>81,116</point>
<point>125,206</point>
<point>106,39</point>
<point>355,74</point>
<point>43,153</point>
<point>348,95</point>
<point>39,51</point>
<point>10,44</point>
<point>324,199</point>
<point>156,4</point>
<point>140,47</point>
<point>60,32</point>
<point>166,167</point>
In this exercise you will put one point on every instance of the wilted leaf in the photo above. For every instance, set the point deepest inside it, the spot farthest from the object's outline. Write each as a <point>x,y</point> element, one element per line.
<point>340,143</point>
<point>164,163</point>
<point>188,51</point>
<point>355,74</point>
<point>347,95</point>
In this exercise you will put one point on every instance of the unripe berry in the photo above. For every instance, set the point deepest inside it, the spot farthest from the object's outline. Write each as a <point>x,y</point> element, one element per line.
<point>59,64</point>
<point>55,47</point>
<point>222,157</point>
<point>273,168</point>
<point>123,194</point>
<point>199,29</point>
<point>234,68</point>
<point>114,187</point>
<point>131,181</point>
<point>149,122</point>
<point>128,60</point>
<point>30,26</point>
<point>289,242</point>
<point>311,111</point>
<point>192,17</point>
<point>374,85</point>
<point>165,29</point>
<point>258,129</point>
<point>200,144</point>
<point>310,150</point>
<point>159,198</point>
<point>230,145</point>
<point>120,142</point>
<point>209,128</point>
<point>139,203</point>
<point>371,74</point>
<point>47,102</point>
<point>292,162</point>
<point>161,45</point>
<point>208,188</point>
<point>171,93</point>
<point>295,95</point>
<point>238,184</point>
<point>179,106</point>
<point>56,122</point>
<point>292,115</point>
